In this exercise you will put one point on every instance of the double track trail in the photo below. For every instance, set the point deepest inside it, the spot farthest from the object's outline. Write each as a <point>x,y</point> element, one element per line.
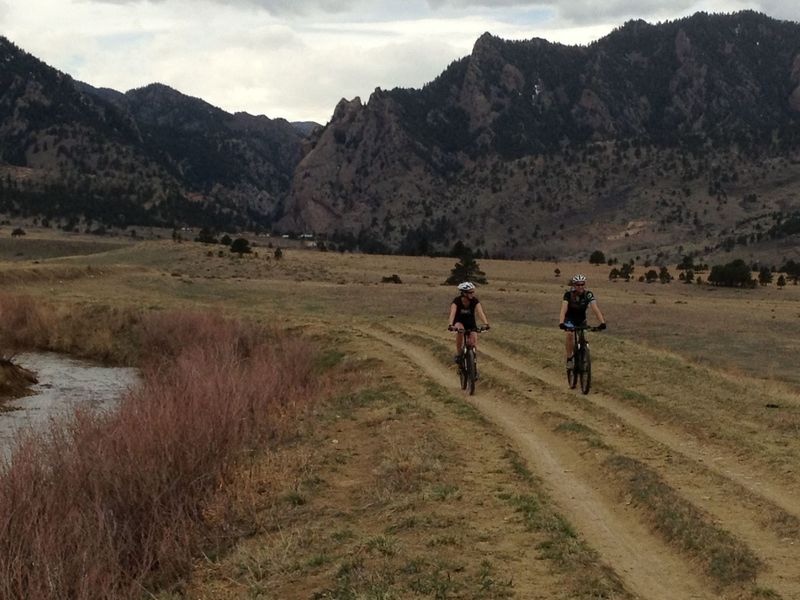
<point>740,510</point>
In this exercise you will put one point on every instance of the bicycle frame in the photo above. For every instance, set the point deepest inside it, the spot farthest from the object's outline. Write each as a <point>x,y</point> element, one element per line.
<point>581,359</point>
<point>466,365</point>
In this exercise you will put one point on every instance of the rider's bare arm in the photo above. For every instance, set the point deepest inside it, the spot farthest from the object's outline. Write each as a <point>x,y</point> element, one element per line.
<point>563,314</point>
<point>452,317</point>
<point>481,314</point>
<point>597,313</point>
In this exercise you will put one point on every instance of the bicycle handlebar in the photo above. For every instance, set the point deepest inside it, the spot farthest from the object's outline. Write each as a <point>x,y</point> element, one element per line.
<point>480,329</point>
<point>582,328</point>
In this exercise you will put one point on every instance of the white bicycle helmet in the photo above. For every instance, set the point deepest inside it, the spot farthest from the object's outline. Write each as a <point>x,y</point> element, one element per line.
<point>579,278</point>
<point>467,286</point>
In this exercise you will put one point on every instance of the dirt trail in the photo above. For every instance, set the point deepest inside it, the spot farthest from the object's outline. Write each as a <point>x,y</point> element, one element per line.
<point>648,567</point>
<point>715,459</point>
<point>735,493</point>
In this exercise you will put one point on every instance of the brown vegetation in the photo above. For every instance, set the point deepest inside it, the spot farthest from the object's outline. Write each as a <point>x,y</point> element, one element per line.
<point>14,380</point>
<point>674,478</point>
<point>110,505</point>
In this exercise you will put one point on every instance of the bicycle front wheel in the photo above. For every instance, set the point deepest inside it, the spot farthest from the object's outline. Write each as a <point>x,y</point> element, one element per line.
<point>471,372</point>
<point>586,370</point>
<point>462,371</point>
<point>572,374</point>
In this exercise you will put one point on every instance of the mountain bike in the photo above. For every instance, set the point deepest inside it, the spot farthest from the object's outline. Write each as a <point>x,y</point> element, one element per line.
<point>581,359</point>
<point>467,367</point>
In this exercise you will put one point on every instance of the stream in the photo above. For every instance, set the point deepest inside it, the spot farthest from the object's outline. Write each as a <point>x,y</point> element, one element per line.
<point>64,383</point>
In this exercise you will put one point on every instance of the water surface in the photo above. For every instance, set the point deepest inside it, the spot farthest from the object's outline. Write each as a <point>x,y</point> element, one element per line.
<point>64,383</point>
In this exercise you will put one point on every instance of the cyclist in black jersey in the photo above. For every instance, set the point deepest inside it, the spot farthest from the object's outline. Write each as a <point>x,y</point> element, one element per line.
<point>577,299</point>
<point>463,309</point>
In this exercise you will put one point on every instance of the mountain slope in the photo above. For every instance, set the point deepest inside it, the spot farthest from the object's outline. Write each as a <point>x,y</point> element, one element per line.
<point>150,156</point>
<point>660,124</point>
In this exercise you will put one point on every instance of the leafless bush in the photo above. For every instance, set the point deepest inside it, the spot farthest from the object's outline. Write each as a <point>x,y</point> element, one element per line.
<point>110,505</point>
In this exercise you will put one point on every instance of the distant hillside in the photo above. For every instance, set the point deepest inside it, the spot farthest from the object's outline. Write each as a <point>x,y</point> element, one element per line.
<point>684,133</point>
<point>72,152</point>
<point>305,127</point>
<point>655,141</point>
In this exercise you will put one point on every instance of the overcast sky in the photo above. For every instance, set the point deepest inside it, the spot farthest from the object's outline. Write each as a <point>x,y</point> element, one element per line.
<point>297,58</point>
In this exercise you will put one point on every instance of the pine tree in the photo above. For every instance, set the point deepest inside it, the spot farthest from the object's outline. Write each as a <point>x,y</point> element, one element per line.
<point>467,268</point>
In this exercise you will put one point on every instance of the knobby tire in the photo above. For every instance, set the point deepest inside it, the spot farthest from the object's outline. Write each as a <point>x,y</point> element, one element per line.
<point>572,374</point>
<point>462,370</point>
<point>586,370</point>
<point>471,371</point>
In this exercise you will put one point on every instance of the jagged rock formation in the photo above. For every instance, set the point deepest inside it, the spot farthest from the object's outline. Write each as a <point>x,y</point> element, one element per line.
<point>655,139</point>
<point>520,140</point>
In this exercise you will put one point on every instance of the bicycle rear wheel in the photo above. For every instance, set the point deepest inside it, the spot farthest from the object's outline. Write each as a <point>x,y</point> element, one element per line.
<point>586,370</point>
<point>471,371</point>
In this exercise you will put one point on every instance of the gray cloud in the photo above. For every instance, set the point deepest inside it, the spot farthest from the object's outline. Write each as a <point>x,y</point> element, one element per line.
<point>586,12</point>
<point>589,11</point>
<point>274,7</point>
<point>436,4</point>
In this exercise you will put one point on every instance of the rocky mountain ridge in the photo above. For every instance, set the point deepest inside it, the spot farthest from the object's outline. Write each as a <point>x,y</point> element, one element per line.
<point>148,156</point>
<point>510,146</point>
<point>655,140</point>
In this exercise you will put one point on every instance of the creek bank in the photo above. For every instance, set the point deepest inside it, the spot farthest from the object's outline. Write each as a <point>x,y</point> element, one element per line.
<point>59,385</point>
<point>15,381</point>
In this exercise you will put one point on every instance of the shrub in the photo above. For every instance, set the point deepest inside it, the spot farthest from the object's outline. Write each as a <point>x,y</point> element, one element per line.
<point>240,246</point>
<point>206,236</point>
<point>732,274</point>
<point>110,505</point>
<point>597,258</point>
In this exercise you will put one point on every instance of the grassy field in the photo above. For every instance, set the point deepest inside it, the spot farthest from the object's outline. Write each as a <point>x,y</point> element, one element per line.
<point>675,478</point>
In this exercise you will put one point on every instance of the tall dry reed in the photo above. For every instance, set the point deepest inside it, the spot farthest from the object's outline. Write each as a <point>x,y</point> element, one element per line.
<point>91,331</point>
<point>110,505</point>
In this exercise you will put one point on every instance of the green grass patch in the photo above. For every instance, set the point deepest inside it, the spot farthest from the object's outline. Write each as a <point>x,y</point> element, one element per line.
<point>588,578</point>
<point>725,559</point>
<point>585,433</point>
<point>518,466</point>
<point>462,408</point>
<point>386,546</point>
<point>444,491</point>
<point>636,397</point>
<point>295,499</point>
<point>347,404</point>
<point>328,360</point>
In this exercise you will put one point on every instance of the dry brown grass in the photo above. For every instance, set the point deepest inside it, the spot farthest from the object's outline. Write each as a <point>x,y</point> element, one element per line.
<point>693,359</point>
<point>109,505</point>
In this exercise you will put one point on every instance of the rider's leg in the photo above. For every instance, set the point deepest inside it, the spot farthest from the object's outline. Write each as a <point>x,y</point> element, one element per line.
<point>472,340</point>
<point>570,344</point>
<point>459,340</point>
<point>570,347</point>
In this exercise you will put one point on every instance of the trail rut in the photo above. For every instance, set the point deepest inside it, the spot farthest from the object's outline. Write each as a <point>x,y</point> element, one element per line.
<point>739,497</point>
<point>648,566</point>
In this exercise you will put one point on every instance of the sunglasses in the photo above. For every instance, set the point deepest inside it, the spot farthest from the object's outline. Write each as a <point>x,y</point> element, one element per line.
<point>579,284</point>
